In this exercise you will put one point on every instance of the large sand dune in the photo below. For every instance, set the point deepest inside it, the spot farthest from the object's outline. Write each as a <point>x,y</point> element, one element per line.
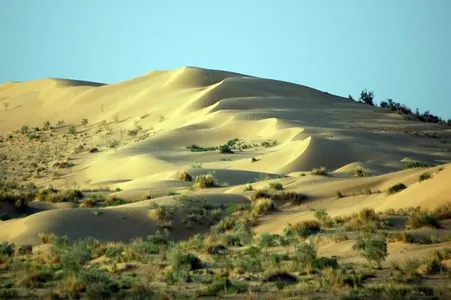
<point>283,129</point>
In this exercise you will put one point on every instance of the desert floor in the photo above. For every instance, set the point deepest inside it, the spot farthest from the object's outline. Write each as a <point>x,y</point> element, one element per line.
<point>197,183</point>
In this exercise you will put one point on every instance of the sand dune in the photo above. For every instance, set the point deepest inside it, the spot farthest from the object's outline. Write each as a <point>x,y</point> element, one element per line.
<point>282,129</point>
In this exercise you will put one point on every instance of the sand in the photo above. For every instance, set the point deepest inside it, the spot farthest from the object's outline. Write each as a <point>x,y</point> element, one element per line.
<point>288,129</point>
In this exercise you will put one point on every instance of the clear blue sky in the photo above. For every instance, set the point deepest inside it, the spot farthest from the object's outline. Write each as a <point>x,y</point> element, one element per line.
<point>398,48</point>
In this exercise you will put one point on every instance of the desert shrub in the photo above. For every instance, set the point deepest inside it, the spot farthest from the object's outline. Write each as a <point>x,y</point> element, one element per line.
<point>75,257</point>
<point>219,285</point>
<point>321,263</point>
<point>93,150</point>
<point>161,214</point>
<point>319,172</point>
<point>262,206</point>
<point>114,144</point>
<point>396,188</point>
<point>25,250</point>
<point>248,187</point>
<point>367,97</point>
<point>46,238</point>
<point>302,229</point>
<point>71,129</point>
<point>177,259</point>
<point>276,186</point>
<point>84,122</point>
<point>324,218</point>
<point>425,176</point>
<point>225,149</point>
<point>261,193</point>
<point>7,249</point>
<point>304,255</point>
<point>372,248</point>
<point>19,200</point>
<point>98,284</point>
<point>225,224</point>
<point>419,219</point>
<point>47,125</point>
<point>53,195</point>
<point>293,198</point>
<point>113,200</point>
<point>417,164</point>
<point>443,212</point>
<point>205,181</point>
<point>358,172</point>
<point>366,220</point>
<point>184,176</point>
<point>24,129</point>
<point>333,279</point>
<point>268,240</point>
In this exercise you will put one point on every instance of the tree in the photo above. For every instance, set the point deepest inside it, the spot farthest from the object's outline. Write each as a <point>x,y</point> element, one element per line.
<point>84,122</point>
<point>373,248</point>
<point>6,105</point>
<point>367,97</point>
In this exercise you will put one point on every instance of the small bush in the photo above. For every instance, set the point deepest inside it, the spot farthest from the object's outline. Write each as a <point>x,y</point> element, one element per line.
<point>303,229</point>
<point>205,181</point>
<point>7,249</point>
<point>319,172</point>
<point>417,164</point>
<point>177,259</point>
<point>421,219</point>
<point>374,249</point>
<point>292,197</point>
<point>262,205</point>
<point>71,129</point>
<point>184,176</point>
<point>225,149</point>
<point>261,193</point>
<point>359,172</point>
<point>276,186</point>
<point>396,188</point>
<point>425,176</point>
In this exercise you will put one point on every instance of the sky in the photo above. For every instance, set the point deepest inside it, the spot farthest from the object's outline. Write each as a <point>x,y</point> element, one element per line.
<point>400,49</point>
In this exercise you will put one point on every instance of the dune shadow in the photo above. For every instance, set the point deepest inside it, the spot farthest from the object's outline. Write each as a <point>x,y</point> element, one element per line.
<point>75,83</point>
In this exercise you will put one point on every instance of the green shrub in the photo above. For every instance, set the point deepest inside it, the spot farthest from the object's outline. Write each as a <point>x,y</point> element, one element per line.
<point>396,188</point>
<point>277,186</point>
<point>425,176</point>
<point>7,249</point>
<point>373,248</point>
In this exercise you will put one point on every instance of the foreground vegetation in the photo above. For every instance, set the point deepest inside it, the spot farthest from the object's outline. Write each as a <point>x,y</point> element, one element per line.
<point>231,259</point>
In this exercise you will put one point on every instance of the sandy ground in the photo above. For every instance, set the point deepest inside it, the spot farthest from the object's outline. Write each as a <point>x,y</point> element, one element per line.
<point>303,129</point>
